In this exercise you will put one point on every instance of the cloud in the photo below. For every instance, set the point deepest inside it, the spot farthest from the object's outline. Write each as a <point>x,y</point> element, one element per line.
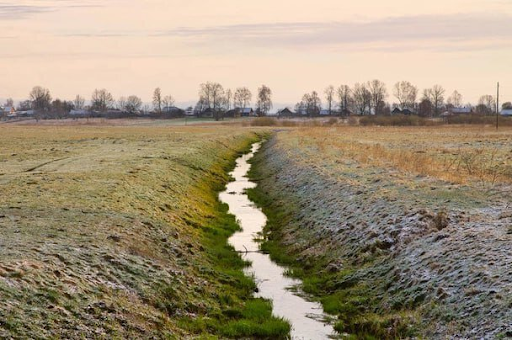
<point>13,10</point>
<point>413,32</point>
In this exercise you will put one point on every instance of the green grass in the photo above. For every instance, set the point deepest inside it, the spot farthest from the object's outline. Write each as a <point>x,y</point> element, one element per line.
<point>239,314</point>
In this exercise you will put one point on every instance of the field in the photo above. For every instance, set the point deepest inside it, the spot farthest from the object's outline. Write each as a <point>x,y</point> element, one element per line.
<point>113,229</point>
<point>398,231</point>
<point>116,231</point>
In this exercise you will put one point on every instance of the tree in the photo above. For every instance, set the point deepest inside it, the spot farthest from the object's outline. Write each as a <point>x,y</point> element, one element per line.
<point>157,100</point>
<point>9,102</point>
<point>211,95</point>
<point>455,99</point>
<point>227,99</point>
<point>264,103</point>
<point>406,94</point>
<point>60,108</point>
<point>489,102</point>
<point>101,100</point>
<point>24,105</point>
<point>242,98</point>
<point>436,97</point>
<point>425,108</point>
<point>344,97</point>
<point>506,106</point>
<point>168,101</point>
<point>378,94</point>
<point>79,102</point>
<point>329,97</point>
<point>310,104</point>
<point>121,103</point>
<point>40,98</point>
<point>133,104</point>
<point>362,99</point>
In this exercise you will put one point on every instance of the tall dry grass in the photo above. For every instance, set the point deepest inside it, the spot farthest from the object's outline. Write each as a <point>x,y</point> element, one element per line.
<point>455,154</point>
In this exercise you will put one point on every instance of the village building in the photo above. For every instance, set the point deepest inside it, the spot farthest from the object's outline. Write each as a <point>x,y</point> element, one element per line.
<point>286,112</point>
<point>506,112</point>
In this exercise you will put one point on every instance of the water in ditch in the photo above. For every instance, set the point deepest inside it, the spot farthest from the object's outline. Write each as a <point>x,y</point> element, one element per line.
<point>306,317</point>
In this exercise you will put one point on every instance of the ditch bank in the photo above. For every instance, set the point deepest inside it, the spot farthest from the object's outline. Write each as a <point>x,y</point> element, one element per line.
<point>391,255</point>
<point>130,243</point>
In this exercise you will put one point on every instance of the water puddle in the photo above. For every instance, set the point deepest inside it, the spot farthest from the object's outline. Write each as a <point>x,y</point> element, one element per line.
<point>305,316</point>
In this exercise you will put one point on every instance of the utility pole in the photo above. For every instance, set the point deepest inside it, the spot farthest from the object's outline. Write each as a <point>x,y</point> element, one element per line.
<point>498,107</point>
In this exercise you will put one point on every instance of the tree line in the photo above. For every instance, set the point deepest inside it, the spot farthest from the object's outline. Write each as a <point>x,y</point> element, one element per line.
<point>369,98</point>
<point>212,96</point>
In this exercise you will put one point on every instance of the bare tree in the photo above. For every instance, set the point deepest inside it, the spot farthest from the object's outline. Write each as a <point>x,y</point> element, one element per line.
<point>425,108</point>
<point>9,102</point>
<point>168,101</point>
<point>101,100</point>
<point>406,94</point>
<point>436,97</point>
<point>157,100</point>
<point>40,98</point>
<point>264,103</point>
<point>310,104</point>
<point>344,97</point>
<point>211,95</point>
<point>378,94</point>
<point>24,105</point>
<point>455,99</point>
<point>121,103</point>
<point>362,99</point>
<point>489,102</point>
<point>329,97</point>
<point>243,97</point>
<point>133,104</point>
<point>227,99</point>
<point>79,102</point>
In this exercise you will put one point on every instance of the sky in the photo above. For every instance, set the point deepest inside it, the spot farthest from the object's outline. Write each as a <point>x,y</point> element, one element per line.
<point>293,46</point>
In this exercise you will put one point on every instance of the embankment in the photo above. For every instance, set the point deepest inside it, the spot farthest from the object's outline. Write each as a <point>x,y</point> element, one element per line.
<point>117,232</point>
<point>391,254</point>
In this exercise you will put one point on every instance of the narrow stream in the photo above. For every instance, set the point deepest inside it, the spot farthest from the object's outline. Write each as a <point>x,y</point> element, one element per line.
<point>305,316</point>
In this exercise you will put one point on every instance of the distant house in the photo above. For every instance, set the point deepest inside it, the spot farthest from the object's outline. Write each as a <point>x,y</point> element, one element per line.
<point>234,113</point>
<point>79,113</point>
<point>173,111</point>
<point>396,111</point>
<point>286,112</point>
<point>407,112</point>
<point>247,112</point>
<point>325,112</point>
<point>506,112</point>
<point>189,112</point>
<point>461,110</point>
<point>8,110</point>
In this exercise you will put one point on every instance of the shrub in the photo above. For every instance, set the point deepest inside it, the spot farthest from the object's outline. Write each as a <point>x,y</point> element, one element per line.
<point>264,121</point>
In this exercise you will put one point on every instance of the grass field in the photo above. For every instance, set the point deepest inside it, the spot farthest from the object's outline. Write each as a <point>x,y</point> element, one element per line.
<point>398,231</point>
<point>116,232</point>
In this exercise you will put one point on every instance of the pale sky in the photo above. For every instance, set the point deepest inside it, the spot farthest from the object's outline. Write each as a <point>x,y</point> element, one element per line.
<point>293,46</point>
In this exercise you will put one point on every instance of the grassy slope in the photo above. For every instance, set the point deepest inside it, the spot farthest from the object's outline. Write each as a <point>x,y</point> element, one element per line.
<point>365,239</point>
<point>121,234</point>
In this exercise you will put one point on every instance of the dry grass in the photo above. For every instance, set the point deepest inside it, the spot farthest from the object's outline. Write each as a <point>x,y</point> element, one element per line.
<point>453,153</point>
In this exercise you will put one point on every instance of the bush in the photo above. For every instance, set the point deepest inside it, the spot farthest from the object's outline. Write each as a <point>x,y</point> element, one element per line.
<point>396,120</point>
<point>479,120</point>
<point>264,121</point>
